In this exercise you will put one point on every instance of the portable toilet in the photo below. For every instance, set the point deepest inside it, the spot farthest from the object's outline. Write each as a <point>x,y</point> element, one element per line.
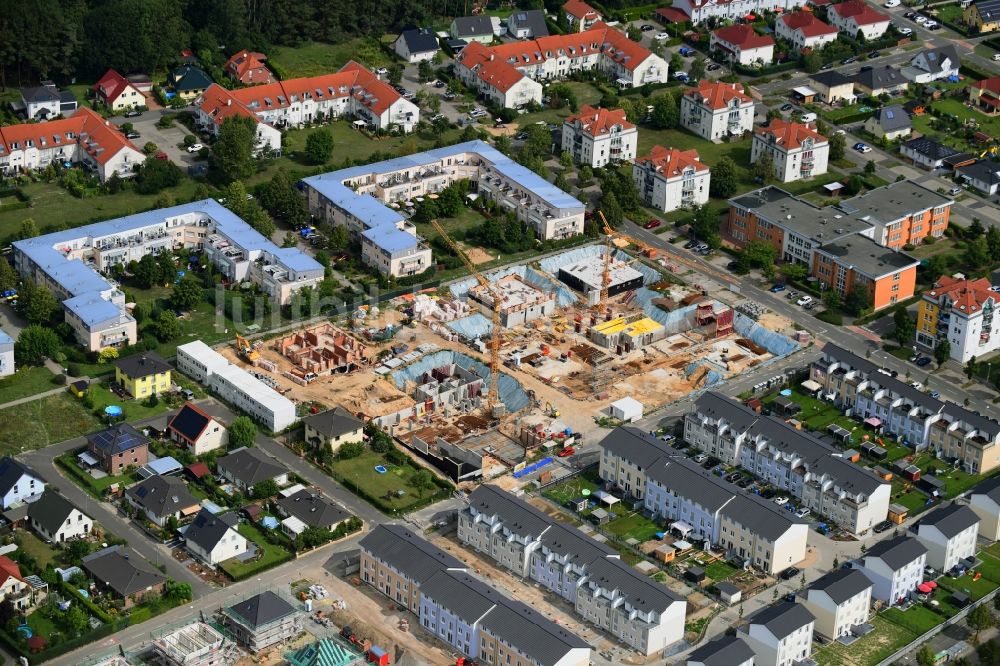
<point>378,656</point>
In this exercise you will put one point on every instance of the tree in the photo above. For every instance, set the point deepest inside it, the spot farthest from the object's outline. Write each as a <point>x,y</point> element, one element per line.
<point>177,592</point>
<point>612,209</point>
<point>857,301</point>
<point>425,71</point>
<point>705,227</point>
<point>724,181</point>
<point>561,182</point>
<point>28,229</point>
<point>155,175</point>
<point>566,159</point>
<point>925,656</point>
<point>422,480</point>
<point>75,619</point>
<point>975,229</point>
<point>980,619</point>
<point>282,200</point>
<point>762,254</point>
<point>665,114</point>
<point>186,294</point>
<point>395,74</point>
<point>319,146</point>
<point>266,488</point>
<point>812,62</point>
<point>350,450</point>
<point>8,277</point>
<point>993,241</point>
<point>832,300</point>
<point>838,146</point>
<point>313,537</point>
<point>905,329</point>
<point>232,153</point>
<point>971,367</point>
<point>242,432</point>
<point>37,304</point>
<point>794,271</point>
<point>166,327</point>
<point>977,253</point>
<point>697,70</point>
<point>585,176</point>
<point>942,352</point>
<point>870,168</point>
<point>7,612</point>
<point>763,169</point>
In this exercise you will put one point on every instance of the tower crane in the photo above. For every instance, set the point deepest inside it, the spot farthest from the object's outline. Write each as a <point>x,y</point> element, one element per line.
<point>492,401</point>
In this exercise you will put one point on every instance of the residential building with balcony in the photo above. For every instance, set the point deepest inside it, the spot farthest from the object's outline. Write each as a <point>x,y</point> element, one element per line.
<point>700,11</point>
<point>598,137</point>
<point>857,16</point>
<point>949,534</point>
<point>895,567</point>
<point>796,149</point>
<point>840,601</point>
<point>668,179</point>
<point>580,15</point>
<point>16,588</point>
<point>960,311</point>
<point>984,95</point>
<point>714,110</point>
<point>804,31</point>
<point>740,44</point>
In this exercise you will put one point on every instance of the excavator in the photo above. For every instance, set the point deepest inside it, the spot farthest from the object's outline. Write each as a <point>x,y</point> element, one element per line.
<point>245,349</point>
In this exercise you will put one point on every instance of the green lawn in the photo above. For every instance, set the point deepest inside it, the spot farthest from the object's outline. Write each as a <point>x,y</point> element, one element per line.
<point>947,13</point>
<point>633,526</point>
<point>561,493</point>
<point>26,381</point>
<point>817,415</point>
<point>314,58</point>
<point>976,589</point>
<point>719,571</point>
<point>97,486</point>
<point>867,650</point>
<point>361,472</point>
<point>990,125</point>
<point>135,410</point>
<point>43,553</point>
<point>914,500</point>
<point>39,423</point>
<point>273,554</point>
<point>41,625</point>
<point>918,618</point>
<point>991,565</point>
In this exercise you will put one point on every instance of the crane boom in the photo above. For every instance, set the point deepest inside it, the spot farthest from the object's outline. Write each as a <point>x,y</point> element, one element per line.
<point>602,304</point>
<point>497,297</point>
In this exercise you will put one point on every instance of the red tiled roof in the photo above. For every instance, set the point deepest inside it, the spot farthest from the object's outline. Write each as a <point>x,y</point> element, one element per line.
<point>198,470</point>
<point>671,15</point>
<point>966,295</point>
<point>743,36</point>
<point>599,121</point>
<point>489,67</point>
<point>9,569</point>
<point>790,135</point>
<point>860,11</point>
<point>672,162</point>
<point>580,9</point>
<point>991,84</point>
<point>111,85</point>
<point>96,136</point>
<point>244,61</point>
<point>717,95</point>
<point>808,24</point>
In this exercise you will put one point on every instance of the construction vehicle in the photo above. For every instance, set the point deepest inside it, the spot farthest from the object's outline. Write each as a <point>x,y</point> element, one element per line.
<point>245,349</point>
<point>552,411</point>
<point>493,403</point>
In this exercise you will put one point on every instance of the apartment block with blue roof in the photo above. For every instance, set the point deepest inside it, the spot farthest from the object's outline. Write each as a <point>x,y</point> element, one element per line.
<point>74,263</point>
<point>6,354</point>
<point>367,200</point>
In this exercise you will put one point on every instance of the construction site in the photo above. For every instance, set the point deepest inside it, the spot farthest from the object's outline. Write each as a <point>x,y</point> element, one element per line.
<point>194,644</point>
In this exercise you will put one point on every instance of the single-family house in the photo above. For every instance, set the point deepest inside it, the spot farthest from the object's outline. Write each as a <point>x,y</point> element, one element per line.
<point>18,483</point>
<point>126,575</point>
<point>473,29</point>
<point>117,93</point>
<point>983,175</point>
<point>188,82</point>
<point>854,16</point>
<point>143,374</point>
<point>580,15</point>
<point>949,534</point>
<point>933,64</point>
<point>45,102</point>
<point>248,68</point>
<point>797,150</point>
<point>16,588</point>
<point>118,447</point>
<point>840,601</point>
<point>741,44</point>
<point>333,428</point>
<point>926,152</point>
<point>985,501</point>
<point>803,30</point>
<point>880,80</point>
<point>527,24</point>
<point>722,651</point>
<point>780,634</point>
<point>197,430</point>
<point>895,566</point>
<point>263,620</point>
<point>983,15</point>
<point>416,44</point>
<point>161,498</point>
<point>831,86</point>
<point>313,509</point>
<point>985,95</point>
<point>247,467</point>
<point>56,520</point>
<point>213,538</point>
<point>890,122</point>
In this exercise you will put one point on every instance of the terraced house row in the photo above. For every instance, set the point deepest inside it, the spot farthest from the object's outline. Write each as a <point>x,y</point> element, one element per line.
<point>604,590</point>
<point>951,431</point>
<point>814,472</point>
<point>698,505</point>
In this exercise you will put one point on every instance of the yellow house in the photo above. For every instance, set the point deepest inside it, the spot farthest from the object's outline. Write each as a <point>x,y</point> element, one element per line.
<point>188,82</point>
<point>927,321</point>
<point>117,93</point>
<point>143,374</point>
<point>984,15</point>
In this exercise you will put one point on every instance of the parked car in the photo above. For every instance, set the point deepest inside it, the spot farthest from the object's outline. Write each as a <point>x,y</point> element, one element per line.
<point>935,394</point>
<point>826,66</point>
<point>686,51</point>
<point>848,61</point>
<point>438,116</point>
<point>646,27</point>
<point>874,54</point>
<point>777,288</point>
<point>787,107</point>
<point>700,247</point>
<point>691,244</point>
<point>884,526</point>
<point>909,15</point>
<point>802,513</point>
<point>862,147</point>
<point>160,155</point>
<point>917,385</point>
<point>714,67</point>
<point>789,573</point>
<point>521,136</point>
<point>956,190</point>
<point>381,71</point>
<point>931,25</point>
<point>732,265</point>
<point>662,35</point>
<point>891,3</point>
<point>566,451</point>
<point>132,135</point>
<point>907,31</point>
<point>700,458</point>
<point>921,19</point>
<point>132,113</point>
<point>996,57</point>
<point>924,361</point>
<point>681,76</point>
<point>194,147</point>
<point>792,295</point>
<point>733,477</point>
<point>781,501</point>
<point>652,224</point>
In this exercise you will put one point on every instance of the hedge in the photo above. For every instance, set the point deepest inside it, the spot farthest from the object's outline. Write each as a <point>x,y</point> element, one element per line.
<point>445,490</point>
<point>289,555</point>
<point>79,475</point>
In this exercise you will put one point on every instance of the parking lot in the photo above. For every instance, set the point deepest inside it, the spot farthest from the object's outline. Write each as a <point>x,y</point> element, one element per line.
<point>169,140</point>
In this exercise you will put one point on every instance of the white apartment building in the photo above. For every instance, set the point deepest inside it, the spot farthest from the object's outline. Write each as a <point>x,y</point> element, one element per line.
<point>72,263</point>
<point>854,16</point>
<point>796,150</point>
<point>361,199</point>
<point>949,534</point>
<point>780,634</point>
<point>742,45</point>
<point>634,609</point>
<point>598,137</point>
<point>715,110</point>
<point>895,567</point>
<point>985,501</point>
<point>803,30</point>
<point>700,11</point>
<point>236,386</point>
<point>813,472</point>
<point>840,601</point>
<point>960,311</point>
<point>668,179</point>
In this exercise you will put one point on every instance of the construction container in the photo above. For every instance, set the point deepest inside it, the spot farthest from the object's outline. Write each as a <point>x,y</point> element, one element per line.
<point>377,656</point>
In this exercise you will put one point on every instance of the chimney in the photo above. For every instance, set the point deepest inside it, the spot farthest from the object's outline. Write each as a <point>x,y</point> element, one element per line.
<point>229,101</point>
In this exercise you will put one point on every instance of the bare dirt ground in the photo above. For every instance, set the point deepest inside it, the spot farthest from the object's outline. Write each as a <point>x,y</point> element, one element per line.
<point>478,255</point>
<point>776,322</point>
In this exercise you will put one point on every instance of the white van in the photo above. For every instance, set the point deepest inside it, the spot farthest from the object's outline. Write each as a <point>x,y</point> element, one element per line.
<point>891,3</point>
<point>808,117</point>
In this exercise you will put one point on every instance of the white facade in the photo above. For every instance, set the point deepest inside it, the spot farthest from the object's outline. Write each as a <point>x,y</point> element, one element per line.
<point>235,385</point>
<point>598,137</point>
<point>747,50</point>
<point>230,545</point>
<point>769,650</point>
<point>796,154</point>
<point>702,10</point>
<point>984,502</point>
<point>7,366</point>
<point>856,16</point>
<point>836,618</point>
<point>670,179</point>
<point>944,552</point>
<point>803,30</point>
<point>76,526</point>
<point>28,487</point>
<point>714,111</point>
<point>893,585</point>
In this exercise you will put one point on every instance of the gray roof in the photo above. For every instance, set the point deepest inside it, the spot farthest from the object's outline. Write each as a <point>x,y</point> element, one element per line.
<point>419,40</point>
<point>717,406</point>
<point>783,618</point>
<point>260,610</point>
<point>893,201</point>
<point>122,570</point>
<point>50,511</point>
<point>930,148</point>
<point>990,487</point>
<point>877,78</point>
<point>519,517</point>
<point>207,529</point>
<point>685,478</point>
<point>636,446</point>
<point>936,57</point>
<point>117,439</point>
<point>40,94</point>
<point>831,78</point>
<point>640,591</point>
<point>986,171</point>
<point>11,471</point>
<point>143,364</point>
<point>162,495</point>
<point>893,118</point>
<point>951,520</point>
<point>533,19</point>
<point>473,26</point>
<point>988,9</point>
<point>334,422</point>
<point>313,509</point>
<point>841,584</point>
<point>821,225</point>
<point>897,552</point>
<point>189,77</point>
<point>415,558</point>
<point>724,651</point>
<point>250,466</point>
<point>760,516</point>
<point>867,256</point>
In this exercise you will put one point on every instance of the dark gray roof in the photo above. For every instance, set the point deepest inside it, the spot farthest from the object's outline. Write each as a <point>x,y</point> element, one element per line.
<point>533,19</point>
<point>117,439</point>
<point>880,77</point>
<point>334,422</point>
<point>893,202</point>
<point>162,495</point>
<point>574,545</point>
<point>40,94</point>
<point>783,618</point>
<point>935,58</point>
<point>717,406</point>
<point>640,591</point>
<point>990,487</point>
<point>189,422</point>
<point>951,520</point>
<point>983,424</point>
<point>250,466</point>
<point>189,77</point>
<point>414,557</point>
<point>419,40</point>
<point>831,78</point>
<point>897,552</point>
<point>11,472</point>
<point>50,511</point>
<point>207,529</point>
<point>142,365</point>
<point>893,118</point>
<point>986,171</point>
<point>636,446</point>
<point>724,651</point>
<point>313,509</point>
<point>122,570</point>
<point>685,478</point>
<point>473,26</point>
<point>760,516</point>
<point>989,10</point>
<point>930,148</point>
<point>519,517</point>
<point>822,225</point>
<point>842,584</point>
<point>260,610</point>
<point>887,382</point>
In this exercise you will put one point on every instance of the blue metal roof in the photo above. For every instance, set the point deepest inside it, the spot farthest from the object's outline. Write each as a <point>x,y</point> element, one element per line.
<point>5,339</point>
<point>92,309</point>
<point>390,239</point>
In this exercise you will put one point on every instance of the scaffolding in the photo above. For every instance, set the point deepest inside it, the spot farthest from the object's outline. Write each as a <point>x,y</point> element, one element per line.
<point>195,644</point>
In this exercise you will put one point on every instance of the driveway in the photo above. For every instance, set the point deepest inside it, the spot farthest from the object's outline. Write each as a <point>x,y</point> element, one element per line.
<point>169,140</point>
